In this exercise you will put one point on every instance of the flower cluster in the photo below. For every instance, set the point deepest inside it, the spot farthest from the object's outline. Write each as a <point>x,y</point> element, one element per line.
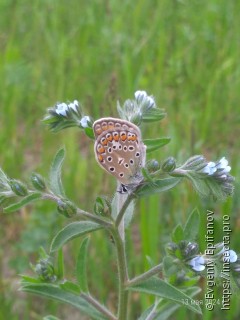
<point>209,178</point>
<point>199,262</point>
<point>142,108</point>
<point>64,115</point>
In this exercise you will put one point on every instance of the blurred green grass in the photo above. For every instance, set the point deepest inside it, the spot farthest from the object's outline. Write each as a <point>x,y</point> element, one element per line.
<point>185,53</point>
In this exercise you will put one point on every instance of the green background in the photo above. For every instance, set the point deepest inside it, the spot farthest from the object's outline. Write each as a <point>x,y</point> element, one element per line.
<point>185,53</point>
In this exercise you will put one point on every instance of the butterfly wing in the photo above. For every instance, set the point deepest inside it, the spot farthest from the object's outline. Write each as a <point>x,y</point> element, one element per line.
<point>119,149</point>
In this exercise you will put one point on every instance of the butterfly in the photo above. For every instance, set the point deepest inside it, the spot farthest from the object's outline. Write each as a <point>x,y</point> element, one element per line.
<point>120,151</point>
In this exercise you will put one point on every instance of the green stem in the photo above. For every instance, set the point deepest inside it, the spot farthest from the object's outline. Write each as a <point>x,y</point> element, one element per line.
<point>124,207</point>
<point>81,212</point>
<point>146,275</point>
<point>122,274</point>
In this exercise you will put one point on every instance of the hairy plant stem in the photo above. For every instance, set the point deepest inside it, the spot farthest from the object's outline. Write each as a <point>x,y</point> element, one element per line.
<point>146,275</point>
<point>122,274</point>
<point>98,306</point>
<point>84,214</point>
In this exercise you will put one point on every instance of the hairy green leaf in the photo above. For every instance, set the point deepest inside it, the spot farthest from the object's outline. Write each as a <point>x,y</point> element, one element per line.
<point>81,265</point>
<point>153,114</point>
<point>56,172</point>
<point>154,144</point>
<point>26,200</point>
<point>54,292</point>
<point>164,290</point>
<point>71,231</point>
<point>158,186</point>
<point>191,228</point>
<point>177,234</point>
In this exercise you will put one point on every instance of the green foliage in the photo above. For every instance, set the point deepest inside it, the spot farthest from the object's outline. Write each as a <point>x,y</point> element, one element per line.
<point>163,289</point>
<point>191,228</point>
<point>71,231</point>
<point>55,174</point>
<point>154,144</point>
<point>81,265</point>
<point>54,292</point>
<point>25,201</point>
<point>158,186</point>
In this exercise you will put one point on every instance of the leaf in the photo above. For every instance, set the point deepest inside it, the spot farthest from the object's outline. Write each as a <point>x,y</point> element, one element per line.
<point>55,173</point>
<point>154,144</point>
<point>149,313</point>
<point>26,200</point>
<point>60,264</point>
<point>167,308</point>
<point>158,186</point>
<point>50,317</point>
<point>70,287</point>
<point>81,269</point>
<point>89,132</point>
<point>71,231</point>
<point>28,280</point>
<point>54,292</point>
<point>191,228</point>
<point>177,234</point>
<point>164,290</point>
<point>153,114</point>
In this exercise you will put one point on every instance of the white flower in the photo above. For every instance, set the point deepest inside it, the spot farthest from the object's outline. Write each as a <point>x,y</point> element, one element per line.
<point>223,165</point>
<point>73,105</point>
<point>197,263</point>
<point>84,121</point>
<point>61,109</point>
<point>210,168</point>
<point>231,255</point>
<point>140,94</point>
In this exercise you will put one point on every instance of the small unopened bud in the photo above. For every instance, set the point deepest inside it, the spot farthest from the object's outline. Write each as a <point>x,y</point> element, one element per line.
<point>18,188</point>
<point>66,208</point>
<point>169,164</point>
<point>38,181</point>
<point>153,165</point>
<point>45,270</point>
<point>171,248</point>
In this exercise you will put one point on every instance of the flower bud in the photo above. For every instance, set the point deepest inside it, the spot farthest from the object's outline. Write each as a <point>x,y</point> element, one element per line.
<point>67,208</point>
<point>45,270</point>
<point>153,165</point>
<point>38,181</point>
<point>171,248</point>
<point>169,164</point>
<point>18,187</point>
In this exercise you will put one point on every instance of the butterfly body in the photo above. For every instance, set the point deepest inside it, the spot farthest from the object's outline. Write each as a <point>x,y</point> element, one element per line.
<point>119,149</point>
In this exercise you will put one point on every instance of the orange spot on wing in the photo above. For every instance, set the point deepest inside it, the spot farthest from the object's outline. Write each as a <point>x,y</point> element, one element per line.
<point>123,136</point>
<point>98,130</point>
<point>104,141</point>
<point>100,157</point>
<point>109,137</point>
<point>104,126</point>
<point>115,136</point>
<point>101,149</point>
